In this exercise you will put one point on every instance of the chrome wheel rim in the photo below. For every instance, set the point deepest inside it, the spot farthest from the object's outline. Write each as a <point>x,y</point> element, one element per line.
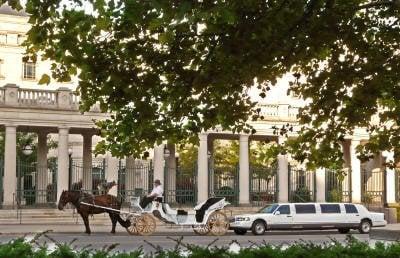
<point>259,228</point>
<point>366,227</point>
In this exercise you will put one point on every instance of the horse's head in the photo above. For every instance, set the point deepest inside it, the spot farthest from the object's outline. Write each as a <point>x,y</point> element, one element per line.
<point>64,199</point>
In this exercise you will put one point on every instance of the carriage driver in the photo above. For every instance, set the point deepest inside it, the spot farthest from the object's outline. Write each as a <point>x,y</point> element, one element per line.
<point>156,193</point>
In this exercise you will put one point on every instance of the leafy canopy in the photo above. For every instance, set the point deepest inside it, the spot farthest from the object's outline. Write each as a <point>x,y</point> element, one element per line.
<point>170,69</point>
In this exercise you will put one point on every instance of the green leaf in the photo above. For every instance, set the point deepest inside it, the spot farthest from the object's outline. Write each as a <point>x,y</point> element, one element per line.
<point>45,79</point>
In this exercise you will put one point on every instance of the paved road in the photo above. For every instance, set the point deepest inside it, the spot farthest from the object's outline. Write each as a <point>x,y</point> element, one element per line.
<point>163,239</point>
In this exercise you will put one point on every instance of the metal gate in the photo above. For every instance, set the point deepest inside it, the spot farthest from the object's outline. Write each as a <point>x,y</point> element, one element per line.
<point>180,185</point>
<point>36,185</point>
<point>337,186</point>
<point>135,180</point>
<point>372,186</point>
<point>263,185</point>
<point>77,180</point>
<point>301,185</point>
<point>224,182</point>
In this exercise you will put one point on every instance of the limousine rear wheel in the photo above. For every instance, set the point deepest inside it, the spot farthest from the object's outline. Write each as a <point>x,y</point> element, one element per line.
<point>365,226</point>
<point>258,227</point>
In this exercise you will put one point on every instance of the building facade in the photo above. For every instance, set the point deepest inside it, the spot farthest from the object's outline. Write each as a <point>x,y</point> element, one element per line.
<point>52,111</point>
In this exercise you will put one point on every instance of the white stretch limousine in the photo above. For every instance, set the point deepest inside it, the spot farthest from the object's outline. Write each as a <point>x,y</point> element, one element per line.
<point>292,216</point>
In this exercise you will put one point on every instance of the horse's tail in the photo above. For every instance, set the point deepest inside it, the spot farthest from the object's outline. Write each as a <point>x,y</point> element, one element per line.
<point>124,223</point>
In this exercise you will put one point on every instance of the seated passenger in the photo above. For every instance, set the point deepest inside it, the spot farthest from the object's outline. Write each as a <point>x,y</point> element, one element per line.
<point>156,193</point>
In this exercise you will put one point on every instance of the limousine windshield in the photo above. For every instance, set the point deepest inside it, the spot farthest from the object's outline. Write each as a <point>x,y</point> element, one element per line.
<point>269,208</point>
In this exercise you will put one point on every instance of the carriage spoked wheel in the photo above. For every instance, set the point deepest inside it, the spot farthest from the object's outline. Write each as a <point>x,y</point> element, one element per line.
<point>132,228</point>
<point>145,225</point>
<point>218,223</point>
<point>201,230</point>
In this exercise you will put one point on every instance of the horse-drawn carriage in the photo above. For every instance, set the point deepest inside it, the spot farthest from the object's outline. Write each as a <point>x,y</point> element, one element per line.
<point>206,218</point>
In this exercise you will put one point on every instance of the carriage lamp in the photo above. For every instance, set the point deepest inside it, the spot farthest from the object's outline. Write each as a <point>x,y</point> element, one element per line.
<point>70,151</point>
<point>27,150</point>
<point>166,152</point>
<point>208,154</point>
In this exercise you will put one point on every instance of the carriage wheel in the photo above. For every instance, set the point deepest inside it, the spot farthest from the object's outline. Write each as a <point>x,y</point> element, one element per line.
<point>132,228</point>
<point>145,225</point>
<point>201,230</point>
<point>218,223</point>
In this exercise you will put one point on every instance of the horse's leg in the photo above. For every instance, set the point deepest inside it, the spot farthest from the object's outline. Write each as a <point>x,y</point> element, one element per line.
<point>85,218</point>
<point>113,221</point>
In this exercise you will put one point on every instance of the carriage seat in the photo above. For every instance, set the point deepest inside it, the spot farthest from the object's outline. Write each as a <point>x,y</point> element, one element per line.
<point>168,210</point>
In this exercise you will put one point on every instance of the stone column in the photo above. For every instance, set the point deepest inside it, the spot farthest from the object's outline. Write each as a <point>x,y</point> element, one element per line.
<point>42,173</point>
<point>244,170</point>
<point>320,184</point>
<point>112,172</point>
<point>355,165</point>
<point>390,179</point>
<point>159,163</point>
<point>10,166</point>
<point>202,169</point>
<point>170,185</point>
<point>63,160</point>
<point>283,175</point>
<point>87,182</point>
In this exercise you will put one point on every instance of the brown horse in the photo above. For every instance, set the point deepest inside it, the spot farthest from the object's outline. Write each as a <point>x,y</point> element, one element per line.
<point>109,201</point>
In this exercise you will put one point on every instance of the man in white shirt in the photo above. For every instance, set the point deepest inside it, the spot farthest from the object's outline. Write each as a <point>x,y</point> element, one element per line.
<point>157,192</point>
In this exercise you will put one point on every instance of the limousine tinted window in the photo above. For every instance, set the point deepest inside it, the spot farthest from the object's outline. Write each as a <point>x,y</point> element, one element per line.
<point>330,208</point>
<point>350,208</point>
<point>305,208</point>
<point>268,208</point>
<point>284,209</point>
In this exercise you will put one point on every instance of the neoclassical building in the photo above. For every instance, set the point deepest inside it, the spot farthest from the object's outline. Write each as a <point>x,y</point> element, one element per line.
<point>52,111</point>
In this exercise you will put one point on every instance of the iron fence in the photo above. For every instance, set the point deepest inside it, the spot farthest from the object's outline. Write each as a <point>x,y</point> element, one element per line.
<point>263,185</point>
<point>372,186</point>
<point>36,185</point>
<point>135,179</point>
<point>337,186</point>
<point>87,179</point>
<point>224,182</point>
<point>301,185</point>
<point>180,185</point>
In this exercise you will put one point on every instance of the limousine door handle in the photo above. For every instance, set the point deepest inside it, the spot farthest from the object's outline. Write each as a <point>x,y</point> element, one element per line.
<point>289,216</point>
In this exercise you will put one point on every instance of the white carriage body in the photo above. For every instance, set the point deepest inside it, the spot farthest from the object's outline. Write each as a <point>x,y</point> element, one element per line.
<point>172,216</point>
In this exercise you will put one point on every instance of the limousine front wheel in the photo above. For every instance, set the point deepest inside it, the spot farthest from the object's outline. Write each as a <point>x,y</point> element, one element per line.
<point>258,227</point>
<point>365,227</point>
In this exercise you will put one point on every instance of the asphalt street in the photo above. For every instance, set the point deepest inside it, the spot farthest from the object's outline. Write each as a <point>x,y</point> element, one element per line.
<point>126,242</point>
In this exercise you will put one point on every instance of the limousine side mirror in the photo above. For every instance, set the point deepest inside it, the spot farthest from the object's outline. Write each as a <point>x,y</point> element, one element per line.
<point>277,213</point>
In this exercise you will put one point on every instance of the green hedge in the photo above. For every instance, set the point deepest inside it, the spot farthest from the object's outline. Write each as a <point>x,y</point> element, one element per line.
<point>352,248</point>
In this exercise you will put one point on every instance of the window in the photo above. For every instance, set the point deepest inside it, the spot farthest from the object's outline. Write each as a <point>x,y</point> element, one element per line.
<point>330,208</point>
<point>284,209</point>
<point>268,209</point>
<point>305,208</point>
<point>29,70</point>
<point>350,208</point>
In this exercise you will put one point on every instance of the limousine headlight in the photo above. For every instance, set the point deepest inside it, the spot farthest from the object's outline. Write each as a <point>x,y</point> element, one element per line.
<point>242,219</point>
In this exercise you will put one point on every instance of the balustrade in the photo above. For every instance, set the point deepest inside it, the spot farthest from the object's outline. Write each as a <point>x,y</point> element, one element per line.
<point>64,98</point>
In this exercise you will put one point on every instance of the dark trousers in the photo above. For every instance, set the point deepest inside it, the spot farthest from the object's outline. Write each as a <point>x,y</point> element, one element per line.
<point>145,201</point>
